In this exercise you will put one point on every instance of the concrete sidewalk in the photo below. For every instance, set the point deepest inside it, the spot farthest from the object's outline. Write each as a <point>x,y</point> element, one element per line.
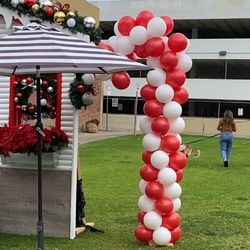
<point>100,135</point>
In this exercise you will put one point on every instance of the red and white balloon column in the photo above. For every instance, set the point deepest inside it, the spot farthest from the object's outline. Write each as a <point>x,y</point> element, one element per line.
<point>151,38</point>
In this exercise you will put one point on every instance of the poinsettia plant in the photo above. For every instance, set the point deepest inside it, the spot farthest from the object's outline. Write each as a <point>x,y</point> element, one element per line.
<point>23,139</point>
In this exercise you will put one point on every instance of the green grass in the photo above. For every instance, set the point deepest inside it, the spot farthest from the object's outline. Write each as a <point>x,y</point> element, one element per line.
<point>215,200</point>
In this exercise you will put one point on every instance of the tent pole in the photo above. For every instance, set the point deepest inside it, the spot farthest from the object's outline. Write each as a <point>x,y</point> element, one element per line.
<point>39,133</point>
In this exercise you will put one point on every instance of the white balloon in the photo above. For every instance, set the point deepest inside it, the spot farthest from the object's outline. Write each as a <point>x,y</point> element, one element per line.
<point>116,31</point>
<point>103,77</point>
<point>146,204</point>
<point>88,79</point>
<point>112,41</point>
<point>161,236</point>
<point>184,62</point>
<point>176,204</point>
<point>138,35</point>
<point>167,176</point>
<point>152,220</point>
<point>151,142</point>
<point>179,138</point>
<point>173,191</point>
<point>159,159</point>
<point>145,125</point>
<point>124,45</point>
<point>172,110</point>
<point>164,93</point>
<point>165,40</point>
<point>142,186</point>
<point>153,62</point>
<point>156,77</point>
<point>176,126</point>
<point>156,27</point>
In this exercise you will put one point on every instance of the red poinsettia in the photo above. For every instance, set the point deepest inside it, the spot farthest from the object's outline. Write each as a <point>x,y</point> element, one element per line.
<point>23,139</point>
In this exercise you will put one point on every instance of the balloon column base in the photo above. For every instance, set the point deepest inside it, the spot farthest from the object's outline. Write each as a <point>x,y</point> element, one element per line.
<point>152,244</point>
<point>79,230</point>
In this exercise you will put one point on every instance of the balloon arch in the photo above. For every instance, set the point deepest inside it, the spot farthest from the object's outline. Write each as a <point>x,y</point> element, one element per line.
<point>151,38</point>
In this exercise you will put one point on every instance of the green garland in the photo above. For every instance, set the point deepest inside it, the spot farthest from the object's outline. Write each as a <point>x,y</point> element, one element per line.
<point>95,33</point>
<point>75,96</point>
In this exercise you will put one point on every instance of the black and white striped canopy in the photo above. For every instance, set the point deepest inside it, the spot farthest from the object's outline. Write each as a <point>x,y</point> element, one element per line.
<point>54,51</point>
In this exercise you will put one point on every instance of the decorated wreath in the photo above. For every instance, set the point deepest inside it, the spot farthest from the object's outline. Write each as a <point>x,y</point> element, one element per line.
<point>25,86</point>
<point>56,13</point>
<point>82,92</point>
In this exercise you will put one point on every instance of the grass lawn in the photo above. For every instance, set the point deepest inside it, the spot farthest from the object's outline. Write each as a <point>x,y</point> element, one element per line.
<point>215,200</point>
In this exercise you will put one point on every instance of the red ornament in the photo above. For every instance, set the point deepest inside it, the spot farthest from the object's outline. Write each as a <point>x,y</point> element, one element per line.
<point>177,42</point>
<point>176,78</point>
<point>146,155</point>
<point>177,160</point>
<point>125,24</point>
<point>154,190</point>
<point>148,92</point>
<point>164,205</point>
<point>169,60</point>
<point>29,80</point>
<point>18,107</point>
<point>19,95</point>
<point>52,115</point>
<point>170,24</point>
<point>44,83</point>
<point>121,80</point>
<point>80,89</point>
<point>180,95</point>
<point>49,11</point>
<point>155,46</point>
<point>171,221</point>
<point>149,173</point>
<point>175,234</point>
<point>143,18</point>
<point>53,109</point>
<point>153,108</point>
<point>15,83</point>
<point>160,125</point>
<point>143,234</point>
<point>141,215</point>
<point>140,51</point>
<point>28,3</point>
<point>170,143</point>
<point>31,109</point>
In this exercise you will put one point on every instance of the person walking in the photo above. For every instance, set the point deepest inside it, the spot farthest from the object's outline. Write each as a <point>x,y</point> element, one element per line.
<point>227,127</point>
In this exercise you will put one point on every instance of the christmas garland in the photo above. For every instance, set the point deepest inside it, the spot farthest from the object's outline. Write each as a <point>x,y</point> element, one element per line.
<point>81,94</point>
<point>56,13</point>
<point>24,88</point>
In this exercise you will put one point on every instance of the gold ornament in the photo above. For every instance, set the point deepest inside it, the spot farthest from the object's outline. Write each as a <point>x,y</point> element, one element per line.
<point>71,13</point>
<point>59,17</point>
<point>35,8</point>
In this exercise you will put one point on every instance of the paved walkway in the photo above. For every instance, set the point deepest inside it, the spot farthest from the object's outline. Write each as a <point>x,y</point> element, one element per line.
<point>100,135</point>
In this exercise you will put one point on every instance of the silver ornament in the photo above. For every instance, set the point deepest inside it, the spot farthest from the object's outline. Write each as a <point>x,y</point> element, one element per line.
<point>24,82</point>
<point>43,102</point>
<point>87,99</point>
<point>14,3</point>
<point>16,99</point>
<point>89,22</point>
<point>24,107</point>
<point>50,89</point>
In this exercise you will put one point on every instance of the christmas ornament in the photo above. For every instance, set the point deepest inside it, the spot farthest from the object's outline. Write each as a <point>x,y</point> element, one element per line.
<point>87,99</point>
<point>16,99</point>
<point>45,3</point>
<point>14,3</point>
<point>24,82</point>
<point>19,95</point>
<point>44,83</point>
<point>35,8</point>
<point>89,22</point>
<point>71,13</point>
<point>31,109</point>
<point>43,102</point>
<point>59,7</point>
<point>29,80</point>
<point>71,22</point>
<point>24,107</point>
<point>59,17</point>
<point>49,11</point>
<point>18,107</point>
<point>50,90</point>
<point>80,89</point>
<point>28,3</point>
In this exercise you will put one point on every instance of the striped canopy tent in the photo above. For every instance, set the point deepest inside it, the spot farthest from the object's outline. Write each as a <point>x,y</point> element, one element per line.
<point>37,49</point>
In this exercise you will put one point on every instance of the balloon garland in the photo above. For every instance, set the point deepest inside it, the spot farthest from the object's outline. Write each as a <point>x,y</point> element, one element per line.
<point>151,38</point>
<point>82,92</point>
<point>24,88</point>
<point>58,13</point>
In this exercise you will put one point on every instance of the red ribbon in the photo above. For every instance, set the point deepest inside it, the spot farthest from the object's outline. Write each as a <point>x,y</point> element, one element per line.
<point>59,7</point>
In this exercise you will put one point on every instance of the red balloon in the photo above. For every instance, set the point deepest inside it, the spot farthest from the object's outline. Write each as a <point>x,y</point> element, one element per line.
<point>121,80</point>
<point>170,143</point>
<point>170,24</point>
<point>125,24</point>
<point>171,221</point>
<point>132,56</point>
<point>105,46</point>
<point>153,108</point>
<point>154,190</point>
<point>177,42</point>
<point>148,92</point>
<point>177,160</point>
<point>164,205</point>
<point>175,234</point>
<point>176,78</point>
<point>155,46</point>
<point>146,155</point>
<point>179,175</point>
<point>143,18</point>
<point>169,60</point>
<point>160,125</point>
<point>180,95</point>
<point>143,234</point>
<point>140,51</point>
<point>141,215</point>
<point>149,173</point>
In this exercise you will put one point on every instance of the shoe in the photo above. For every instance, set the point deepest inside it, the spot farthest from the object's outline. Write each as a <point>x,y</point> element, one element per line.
<point>226,164</point>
